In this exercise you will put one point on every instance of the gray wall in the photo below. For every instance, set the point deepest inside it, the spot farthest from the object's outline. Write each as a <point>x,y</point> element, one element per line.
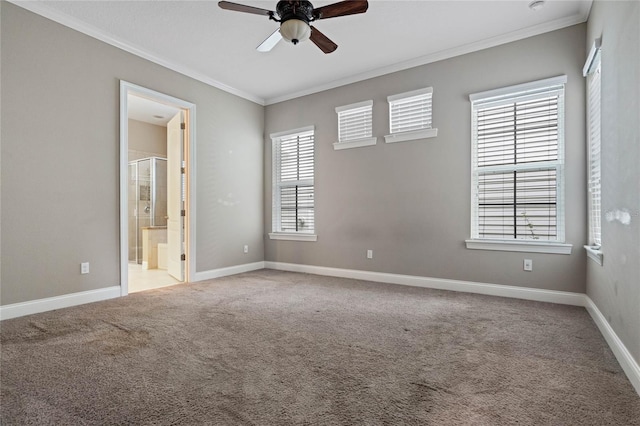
<point>60,160</point>
<point>410,202</point>
<point>146,140</point>
<point>615,286</point>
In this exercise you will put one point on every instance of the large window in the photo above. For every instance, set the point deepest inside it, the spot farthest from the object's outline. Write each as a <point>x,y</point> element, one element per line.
<point>592,71</point>
<point>518,166</point>
<point>293,190</point>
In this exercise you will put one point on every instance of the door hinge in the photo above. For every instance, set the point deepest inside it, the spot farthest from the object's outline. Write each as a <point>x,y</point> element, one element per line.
<point>182,126</point>
<point>182,170</point>
<point>183,213</point>
<point>183,256</point>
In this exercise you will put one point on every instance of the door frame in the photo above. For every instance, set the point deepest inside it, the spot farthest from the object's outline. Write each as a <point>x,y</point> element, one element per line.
<point>126,89</point>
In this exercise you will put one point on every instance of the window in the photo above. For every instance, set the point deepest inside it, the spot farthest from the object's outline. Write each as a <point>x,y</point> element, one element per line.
<point>293,191</point>
<point>410,116</point>
<point>592,71</point>
<point>518,168</point>
<point>355,125</point>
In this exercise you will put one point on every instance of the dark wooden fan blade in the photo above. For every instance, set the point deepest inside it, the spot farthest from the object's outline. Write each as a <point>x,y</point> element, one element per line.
<point>349,7</point>
<point>321,40</point>
<point>242,8</point>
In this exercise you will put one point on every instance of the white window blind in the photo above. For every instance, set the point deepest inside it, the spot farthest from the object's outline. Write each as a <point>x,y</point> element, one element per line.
<point>293,175</point>
<point>355,121</point>
<point>410,116</point>
<point>410,111</point>
<point>518,164</point>
<point>593,117</point>
<point>355,125</point>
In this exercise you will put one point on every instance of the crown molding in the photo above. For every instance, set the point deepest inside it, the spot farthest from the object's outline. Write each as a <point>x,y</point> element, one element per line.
<point>585,9</point>
<point>443,54</point>
<point>40,8</point>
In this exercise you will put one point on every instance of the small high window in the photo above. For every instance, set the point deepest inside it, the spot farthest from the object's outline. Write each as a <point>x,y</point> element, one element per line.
<point>355,125</point>
<point>410,116</point>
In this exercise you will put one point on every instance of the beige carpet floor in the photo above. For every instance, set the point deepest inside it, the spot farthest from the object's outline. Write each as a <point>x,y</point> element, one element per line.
<point>277,348</point>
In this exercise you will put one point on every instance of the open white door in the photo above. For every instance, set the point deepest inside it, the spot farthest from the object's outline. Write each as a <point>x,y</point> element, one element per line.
<point>175,197</point>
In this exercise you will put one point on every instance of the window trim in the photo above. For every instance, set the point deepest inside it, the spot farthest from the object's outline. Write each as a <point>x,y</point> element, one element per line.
<point>558,246</point>
<point>593,65</point>
<point>424,133</point>
<point>595,254</point>
<point>359,142</point>
<point>293,236</point>
<point>593,58</point>
<point>506,92</point>
<point>519,245</point>
<point>275,202</point>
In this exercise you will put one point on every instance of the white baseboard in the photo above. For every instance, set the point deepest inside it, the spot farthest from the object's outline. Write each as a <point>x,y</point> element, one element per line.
<point>552,296</point>
<point>627,362</point>
<point>624,357</point>
<point>67,300</point>
<point>57,302</point>
<point>231,270</point>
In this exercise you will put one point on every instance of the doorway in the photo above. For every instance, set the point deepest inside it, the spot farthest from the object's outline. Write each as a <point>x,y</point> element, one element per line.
<point>156,180</point>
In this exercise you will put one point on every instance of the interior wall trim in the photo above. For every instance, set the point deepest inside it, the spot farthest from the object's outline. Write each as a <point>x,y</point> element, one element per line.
<point>42,9</point>
<point>57,302</point>
<point>629,365</point>
<point>526,293</point>
<point>37,306</point>
<point>442,55</point>
<point>126,89</point>
<point>230,270</point>
<point>622,354</point>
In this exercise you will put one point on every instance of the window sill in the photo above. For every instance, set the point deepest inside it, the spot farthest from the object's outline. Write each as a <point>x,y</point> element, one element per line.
<point>293,236</point>
<point>355,144</point>
<point>411,136</point>
<point>594,254</point>
<point>529,246</point>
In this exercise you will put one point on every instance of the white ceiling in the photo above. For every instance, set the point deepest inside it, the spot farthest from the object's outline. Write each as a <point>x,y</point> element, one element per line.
<point>217,46</point>
<point>143,109</point>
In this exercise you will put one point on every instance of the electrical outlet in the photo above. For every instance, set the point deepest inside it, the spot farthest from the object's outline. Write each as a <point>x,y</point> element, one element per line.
<point>84,268</point>
<point>245,249</point>
<point>369,254</point>
<point>528,265</point>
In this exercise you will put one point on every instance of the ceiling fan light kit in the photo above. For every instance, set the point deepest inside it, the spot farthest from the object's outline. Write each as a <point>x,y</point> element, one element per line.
<point>295,30</point>
<point>294,20</point>
<point>295,17</point>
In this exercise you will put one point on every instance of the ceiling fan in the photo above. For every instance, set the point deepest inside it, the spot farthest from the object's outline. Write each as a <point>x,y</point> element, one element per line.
<point>295,16</point>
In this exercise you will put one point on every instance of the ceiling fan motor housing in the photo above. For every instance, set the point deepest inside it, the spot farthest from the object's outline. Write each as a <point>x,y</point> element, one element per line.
<point>295,11</point>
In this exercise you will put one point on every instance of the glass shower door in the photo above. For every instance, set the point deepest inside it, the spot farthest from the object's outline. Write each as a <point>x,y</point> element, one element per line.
<point>143,203</point>
<point>132,211</point>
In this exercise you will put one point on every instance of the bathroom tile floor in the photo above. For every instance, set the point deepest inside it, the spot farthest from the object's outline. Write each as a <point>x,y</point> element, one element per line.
<point>147,279</point>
